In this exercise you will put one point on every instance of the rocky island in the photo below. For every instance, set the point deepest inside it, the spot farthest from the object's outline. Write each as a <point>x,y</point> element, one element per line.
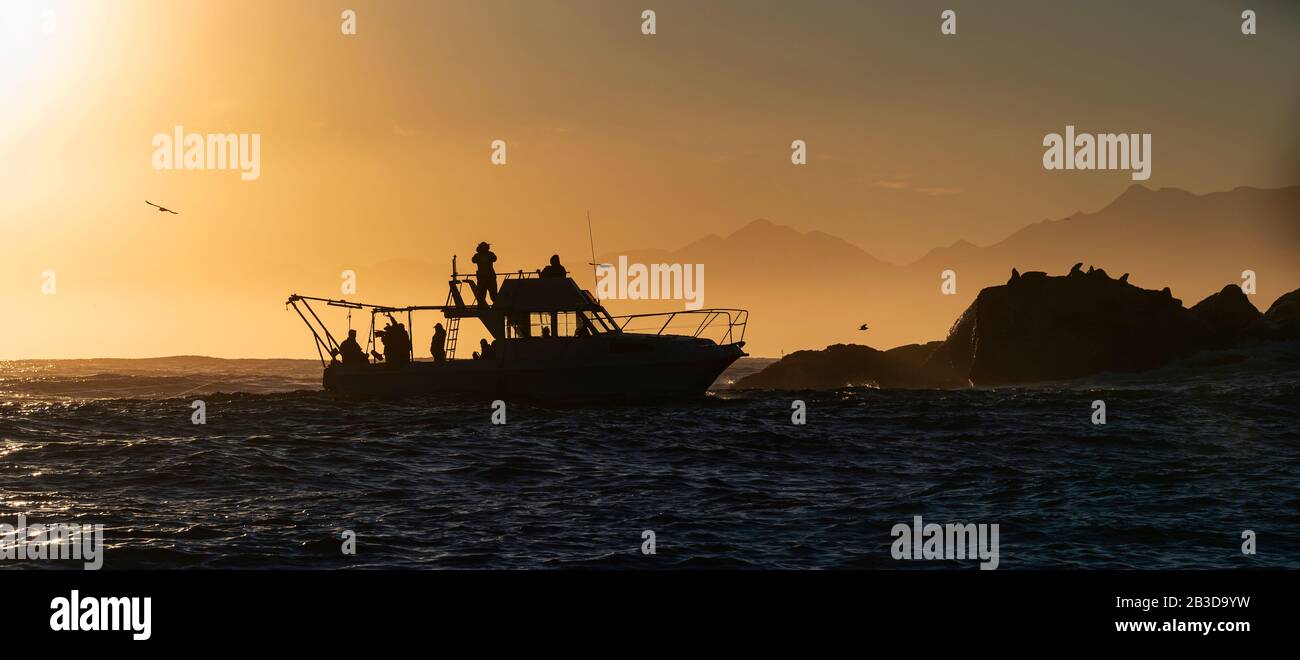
<point>1039,328</point>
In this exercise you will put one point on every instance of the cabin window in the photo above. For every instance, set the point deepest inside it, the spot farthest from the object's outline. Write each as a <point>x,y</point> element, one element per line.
<point>563,324</point>
<point>518,327</point>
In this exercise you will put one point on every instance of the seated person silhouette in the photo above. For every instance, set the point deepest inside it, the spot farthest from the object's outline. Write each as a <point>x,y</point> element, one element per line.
<point>555,269</point>
<point>351,351</point>
<point>486,352</point>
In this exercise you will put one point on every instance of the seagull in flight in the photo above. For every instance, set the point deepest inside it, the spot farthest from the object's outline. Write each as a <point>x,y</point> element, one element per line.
<point>864,327</point>
<point>160,208</point>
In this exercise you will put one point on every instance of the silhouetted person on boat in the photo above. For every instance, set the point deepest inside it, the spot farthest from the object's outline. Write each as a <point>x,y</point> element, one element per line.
<point>486,352</point>
<point>397,344</point>
<point>487,274</point>
<point>403,344</point>
<point>387,343</point>
<point>438,345</point>
<point>555,269</point>
<point>351,351</point>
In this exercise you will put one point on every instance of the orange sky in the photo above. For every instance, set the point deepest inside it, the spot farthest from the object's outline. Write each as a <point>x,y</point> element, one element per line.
<point>375,147</point>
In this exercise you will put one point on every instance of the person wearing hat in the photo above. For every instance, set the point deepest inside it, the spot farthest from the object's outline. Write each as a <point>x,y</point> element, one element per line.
<point>438,345</point>
<point>487,274</point>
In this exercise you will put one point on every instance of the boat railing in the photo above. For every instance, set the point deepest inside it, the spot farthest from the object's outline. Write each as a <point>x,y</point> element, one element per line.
<point>457,296</point>
<point>725,326</point>
<point>472,278</point>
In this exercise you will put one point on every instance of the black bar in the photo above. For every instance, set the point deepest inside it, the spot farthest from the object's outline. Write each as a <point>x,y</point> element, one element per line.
<point>330,608</point>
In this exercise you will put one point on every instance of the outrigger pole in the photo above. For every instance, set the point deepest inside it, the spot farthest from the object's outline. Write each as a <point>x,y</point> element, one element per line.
<point>325,342</point>
<point>320,343</point>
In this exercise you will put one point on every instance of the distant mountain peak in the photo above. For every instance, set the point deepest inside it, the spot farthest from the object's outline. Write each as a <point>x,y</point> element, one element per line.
<point>1141,191</point>
<point>760,227</point>
<point>1138,197</point>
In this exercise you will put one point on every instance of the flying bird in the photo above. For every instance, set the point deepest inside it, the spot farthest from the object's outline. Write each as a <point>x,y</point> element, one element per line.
<point>864,327</point>
<point>160,208</point>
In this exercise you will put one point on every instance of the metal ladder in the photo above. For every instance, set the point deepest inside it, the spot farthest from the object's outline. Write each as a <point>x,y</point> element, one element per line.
<point>453,329</point>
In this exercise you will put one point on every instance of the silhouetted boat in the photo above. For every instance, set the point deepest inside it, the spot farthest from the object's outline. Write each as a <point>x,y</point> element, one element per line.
<point>606,360</point>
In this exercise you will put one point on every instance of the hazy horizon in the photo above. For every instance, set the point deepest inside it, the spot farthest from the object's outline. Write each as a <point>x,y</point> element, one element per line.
<point>1270,291</point>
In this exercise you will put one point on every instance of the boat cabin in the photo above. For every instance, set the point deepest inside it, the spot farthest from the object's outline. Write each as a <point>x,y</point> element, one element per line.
<point>536,307</point>
<point>526,306</point>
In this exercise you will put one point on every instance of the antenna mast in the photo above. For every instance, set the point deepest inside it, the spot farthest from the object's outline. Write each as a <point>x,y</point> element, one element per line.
<point>593,255</point>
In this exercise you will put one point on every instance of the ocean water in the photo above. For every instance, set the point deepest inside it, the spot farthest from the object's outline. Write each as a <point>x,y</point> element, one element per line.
<point>1191,456</point>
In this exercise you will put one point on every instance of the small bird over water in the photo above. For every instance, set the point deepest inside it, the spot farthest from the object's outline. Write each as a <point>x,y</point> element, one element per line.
<point>160,208</point>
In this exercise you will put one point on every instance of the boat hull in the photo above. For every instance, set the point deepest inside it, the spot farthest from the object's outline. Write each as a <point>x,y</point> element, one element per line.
<point>624,367</point>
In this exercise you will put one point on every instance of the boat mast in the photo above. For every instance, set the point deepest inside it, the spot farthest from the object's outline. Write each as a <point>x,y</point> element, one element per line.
<point>593,256</point>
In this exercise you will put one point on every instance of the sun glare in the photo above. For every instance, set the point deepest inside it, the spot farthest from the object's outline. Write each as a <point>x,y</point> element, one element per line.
<point>28,33</point>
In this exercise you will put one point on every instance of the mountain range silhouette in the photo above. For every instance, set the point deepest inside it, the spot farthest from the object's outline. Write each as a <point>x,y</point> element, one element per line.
<point>807,289</point>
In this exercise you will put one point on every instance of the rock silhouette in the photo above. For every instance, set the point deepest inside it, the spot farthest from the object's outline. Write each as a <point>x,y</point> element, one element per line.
<point>1055,328</point>
<point>844,365</point>
<point>1226,316</point>
<point>1282,320</point>
<point>1038,328</point>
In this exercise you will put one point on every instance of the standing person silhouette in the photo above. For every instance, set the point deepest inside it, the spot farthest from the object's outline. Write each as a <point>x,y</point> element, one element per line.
<point>487,274</point>
<point>437,346</point>
<point>397,344</point>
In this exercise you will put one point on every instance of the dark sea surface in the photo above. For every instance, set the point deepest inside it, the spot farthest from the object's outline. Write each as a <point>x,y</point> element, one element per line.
<point>1191,456</point>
